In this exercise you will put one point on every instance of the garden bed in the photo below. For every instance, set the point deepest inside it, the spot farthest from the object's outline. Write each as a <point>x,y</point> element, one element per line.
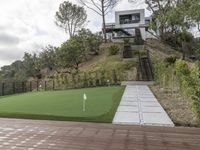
<point>178,108</point>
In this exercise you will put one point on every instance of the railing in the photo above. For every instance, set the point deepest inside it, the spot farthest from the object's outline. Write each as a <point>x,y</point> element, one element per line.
<point>145,68</point>
<point>150,63</point>
<point>129,21</point>
<point>10,88</point>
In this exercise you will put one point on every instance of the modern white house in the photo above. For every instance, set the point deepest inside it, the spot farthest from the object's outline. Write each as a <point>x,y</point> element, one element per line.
<point>126,23</point>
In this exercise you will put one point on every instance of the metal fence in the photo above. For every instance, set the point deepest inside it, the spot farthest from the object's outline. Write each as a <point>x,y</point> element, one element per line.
<point>9,88</point>
<point>63,82</point>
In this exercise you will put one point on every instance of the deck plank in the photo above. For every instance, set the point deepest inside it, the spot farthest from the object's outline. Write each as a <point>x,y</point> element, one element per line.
<point>40,135</point>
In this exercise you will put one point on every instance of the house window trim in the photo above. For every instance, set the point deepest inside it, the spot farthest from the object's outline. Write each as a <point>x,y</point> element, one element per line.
<point>130,16</point>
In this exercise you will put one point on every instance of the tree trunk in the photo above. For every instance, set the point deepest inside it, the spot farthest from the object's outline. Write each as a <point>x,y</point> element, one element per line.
<point>104,22</point>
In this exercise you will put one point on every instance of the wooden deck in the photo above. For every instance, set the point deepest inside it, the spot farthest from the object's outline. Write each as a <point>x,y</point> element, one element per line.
<point>29,134</point>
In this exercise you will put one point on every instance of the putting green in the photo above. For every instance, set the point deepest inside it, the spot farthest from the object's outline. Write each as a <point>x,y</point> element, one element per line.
<point>101,104</point>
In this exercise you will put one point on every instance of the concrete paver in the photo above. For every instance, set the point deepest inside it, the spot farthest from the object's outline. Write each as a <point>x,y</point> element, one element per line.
<point>129,118</point>
<point>139,106</point>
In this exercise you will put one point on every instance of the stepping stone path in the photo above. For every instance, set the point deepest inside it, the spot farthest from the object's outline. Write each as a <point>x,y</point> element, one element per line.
<point>139,106</point>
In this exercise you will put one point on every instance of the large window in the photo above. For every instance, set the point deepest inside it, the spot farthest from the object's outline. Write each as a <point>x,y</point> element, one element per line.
<point>129,19</point>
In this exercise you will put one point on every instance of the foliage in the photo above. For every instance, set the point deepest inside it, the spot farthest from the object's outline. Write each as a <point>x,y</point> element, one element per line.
<point>70,17</point>
<point>160,69</point>
<point>171,21</point>
<point>70,55</point>
<point>115,79</point>
<point>15,71</point>
<point>31,64</point>
<point>193,11</point>
<point>114,50</point>
<point>89,41</point>
<point>126,41</point>
<point>171,60</point>
<point>182,68</point>
<point>190,83</point>
<point>197,48</point>
<point>77,50</point>
<point>186,78</point>
<point>47,57</point>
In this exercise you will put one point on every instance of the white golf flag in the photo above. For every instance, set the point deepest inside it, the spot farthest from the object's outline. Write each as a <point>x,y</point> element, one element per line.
<point>84,96</point>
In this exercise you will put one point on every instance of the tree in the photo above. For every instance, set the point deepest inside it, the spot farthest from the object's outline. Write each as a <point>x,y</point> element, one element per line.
<point>31,64</point>
<point>71,17</point>
<point>89,41</point>
<point>70,55</point>
<point>101,7</point>
<point>47,57</point>
<point>193,11</point>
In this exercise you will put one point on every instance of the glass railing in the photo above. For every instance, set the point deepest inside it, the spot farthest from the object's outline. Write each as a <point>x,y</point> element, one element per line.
<point>129,21</point>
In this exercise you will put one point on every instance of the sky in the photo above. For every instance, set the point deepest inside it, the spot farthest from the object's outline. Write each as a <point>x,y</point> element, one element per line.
<point>29,26</point>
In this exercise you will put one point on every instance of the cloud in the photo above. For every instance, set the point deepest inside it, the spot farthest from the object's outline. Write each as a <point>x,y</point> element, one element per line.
<point>9,54</point>
<point>8,39</point>
<point>29,25</point>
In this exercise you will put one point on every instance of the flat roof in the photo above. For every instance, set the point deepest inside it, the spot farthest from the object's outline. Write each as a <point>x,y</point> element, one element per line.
<point>131,10</point>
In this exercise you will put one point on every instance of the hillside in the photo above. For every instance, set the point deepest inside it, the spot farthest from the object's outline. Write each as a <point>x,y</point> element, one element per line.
<point>158,50</point>
<point>108,62</point>
<point>179,107</point>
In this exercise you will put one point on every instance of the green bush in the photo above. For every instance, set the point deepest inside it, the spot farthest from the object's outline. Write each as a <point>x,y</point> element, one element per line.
<point>85,80</point>
<point>126,41</point>
<point>114,76</point>
<point>190,83</point>
<point>103,78</point>
<point>186,78</point>
<point>195,88</point>
<point>114,50</point>
<point>170,60</point>
<point>175,40</point>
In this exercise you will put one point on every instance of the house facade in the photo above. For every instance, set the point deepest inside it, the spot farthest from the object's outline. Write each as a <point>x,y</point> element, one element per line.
<point>126,24</point>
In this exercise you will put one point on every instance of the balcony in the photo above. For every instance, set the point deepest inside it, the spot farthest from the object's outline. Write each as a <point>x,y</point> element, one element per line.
<point>129,21</point>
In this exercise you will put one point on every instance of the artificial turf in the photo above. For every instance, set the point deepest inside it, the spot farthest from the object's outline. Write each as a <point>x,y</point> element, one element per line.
<point>101,104</point>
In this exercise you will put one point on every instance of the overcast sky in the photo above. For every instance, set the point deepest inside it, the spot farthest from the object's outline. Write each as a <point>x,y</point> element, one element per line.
<point>28,25</point>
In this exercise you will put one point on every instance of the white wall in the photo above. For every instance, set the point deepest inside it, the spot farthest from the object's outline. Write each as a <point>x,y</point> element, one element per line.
<point>143,33</point>
<point>142,18</point>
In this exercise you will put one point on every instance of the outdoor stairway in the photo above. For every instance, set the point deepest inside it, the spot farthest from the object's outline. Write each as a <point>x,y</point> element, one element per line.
<point>145,71</point>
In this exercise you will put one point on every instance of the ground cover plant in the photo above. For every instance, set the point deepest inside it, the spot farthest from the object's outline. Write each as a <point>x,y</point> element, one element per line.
<point>178,90</point>
<point>101,104</point>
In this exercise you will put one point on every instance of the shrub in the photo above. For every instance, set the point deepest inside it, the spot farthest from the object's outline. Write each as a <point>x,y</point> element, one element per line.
<point>182,68</point>
<point>114,50</point>
<point>91,84</point>
<point>126,41</point>
<point>97,81</point>
<point>171,39</point>
<point>170,60</point>
<point>114,76</point>
<point>195,88</point>
<point>85,81</point>
<point>188,80</point>
<point>103,78</point>
<point>175,40</point>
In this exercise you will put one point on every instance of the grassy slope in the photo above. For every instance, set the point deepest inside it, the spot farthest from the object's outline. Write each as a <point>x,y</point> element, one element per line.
<point>64,105</point>
<point>107,62</point>
<point>161,51</point>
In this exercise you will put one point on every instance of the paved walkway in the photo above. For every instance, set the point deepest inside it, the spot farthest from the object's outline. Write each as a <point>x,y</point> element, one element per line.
<point>53,135</point>
<point>140,107</point>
